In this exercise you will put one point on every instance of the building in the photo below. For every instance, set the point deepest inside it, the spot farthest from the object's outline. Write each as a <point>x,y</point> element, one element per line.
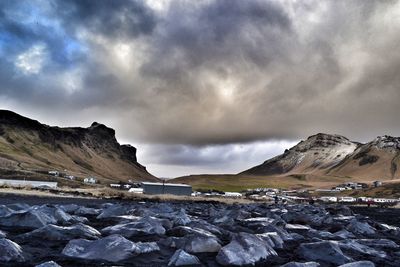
<point>136,190</point>
<point>233,194</point>
<point>70,177</point>
<point>54,173</point>
<point>165,188</point>
<point>377,183</point>
<point>90,180</point>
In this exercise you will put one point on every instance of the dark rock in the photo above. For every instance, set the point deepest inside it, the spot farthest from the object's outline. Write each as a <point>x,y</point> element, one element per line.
<point>182,258</point>
<point>327,252</point>
<point>353,247</point>
<point>112,248</point>
<point>244,249</point>
<point>360,228</point>
<point>54,232</point>
<point>344,234</point>
<point>114,211</point>
<point>201,244</point>
<point>37,217</point>
<point>359,264</point>
<point>144,227</point>
<point>10,251</point>
<point>48,264</point>
<point>301,264</point>
<point>84,211</point>
<point>272,238</point>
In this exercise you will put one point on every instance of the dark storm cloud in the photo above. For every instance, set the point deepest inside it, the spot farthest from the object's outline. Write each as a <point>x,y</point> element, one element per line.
<point>114,19</point>
<point>206,72</point>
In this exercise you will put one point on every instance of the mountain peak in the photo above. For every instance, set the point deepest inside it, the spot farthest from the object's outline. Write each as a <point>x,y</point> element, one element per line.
<point>386,141</point>
<point>322,140</point>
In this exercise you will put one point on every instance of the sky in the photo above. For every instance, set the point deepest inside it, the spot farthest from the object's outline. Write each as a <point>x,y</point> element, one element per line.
<point>213,86</point>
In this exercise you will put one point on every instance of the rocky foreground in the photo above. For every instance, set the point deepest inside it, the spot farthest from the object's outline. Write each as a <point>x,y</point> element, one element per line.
<point>193,234</point>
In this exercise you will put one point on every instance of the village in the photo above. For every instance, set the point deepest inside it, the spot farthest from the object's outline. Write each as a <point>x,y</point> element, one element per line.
<point>336,194</point>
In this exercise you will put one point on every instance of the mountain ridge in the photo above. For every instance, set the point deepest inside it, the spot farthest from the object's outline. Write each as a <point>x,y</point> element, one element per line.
<point>331,154</point>
<point>28,145</point>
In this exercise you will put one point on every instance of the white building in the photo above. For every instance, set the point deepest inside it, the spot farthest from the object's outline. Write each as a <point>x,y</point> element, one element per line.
<point>90,180</point>
<point>232,194</point>
<point>136,190</point>
<point>347,199</point>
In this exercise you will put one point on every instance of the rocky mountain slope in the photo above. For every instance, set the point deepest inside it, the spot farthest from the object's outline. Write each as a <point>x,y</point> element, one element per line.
<point>379,159</point>
<point>28,146</point>
<point>335,155</point>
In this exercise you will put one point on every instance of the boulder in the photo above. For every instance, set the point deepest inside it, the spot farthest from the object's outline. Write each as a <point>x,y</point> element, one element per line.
<point>272,238</point>
<point>18,206</point>
<point>48,264</point>
<point>327,252</point>
<point>301,264</point>
<point>344,234</point>
<point>84,211</point>
<point>360,228</point>
<point>321,234</point>
<point>54,232</point>
<point>379,243</point>
<point>182,258</point>
<point>185,230</point>
<point>200,244</point>
<point>181,218</point>
<point>297,228</point>
<point>146,247</point>
<point>112,248</point>
<point>36,217</point>
<point>114,210</point>
<point>244,249</point>
<point>359,264</point>
<point>144,227</point>
<point>30,219</point>
<point>69,208</point>
<point>10,251</point>
<point>354,247</point>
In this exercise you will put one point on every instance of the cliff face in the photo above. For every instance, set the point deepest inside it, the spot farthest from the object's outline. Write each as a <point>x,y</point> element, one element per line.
<point>28,145</point>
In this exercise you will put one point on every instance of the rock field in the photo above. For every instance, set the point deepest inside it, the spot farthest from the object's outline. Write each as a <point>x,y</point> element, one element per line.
<point>193,234</point>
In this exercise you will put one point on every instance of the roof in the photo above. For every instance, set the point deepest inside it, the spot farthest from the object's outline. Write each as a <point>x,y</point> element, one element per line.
<point>166,184</point>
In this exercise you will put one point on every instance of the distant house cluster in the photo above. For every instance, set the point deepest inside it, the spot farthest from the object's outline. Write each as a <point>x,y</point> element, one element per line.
<point>90,180</point>
<point>61,174</point>
<point>154,188</point>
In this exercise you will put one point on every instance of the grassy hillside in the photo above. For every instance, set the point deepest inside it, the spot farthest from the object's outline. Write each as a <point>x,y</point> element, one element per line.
<point>238,183</point>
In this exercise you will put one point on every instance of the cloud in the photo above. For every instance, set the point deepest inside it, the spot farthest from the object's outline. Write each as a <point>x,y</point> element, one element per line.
<point>179,160</point>
<point>207,73</point>
<point>31,61</point>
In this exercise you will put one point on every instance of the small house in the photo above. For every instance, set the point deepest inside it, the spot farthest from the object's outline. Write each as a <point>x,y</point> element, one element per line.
<point>90,180</point>
<point>233,194</point>
<point>136,190</point>
<point>54,173</point>
<point>377,183</point>
<point>70,177</point>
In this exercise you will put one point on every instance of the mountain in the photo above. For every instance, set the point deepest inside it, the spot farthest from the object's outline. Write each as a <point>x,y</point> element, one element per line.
<point>28,147</point>
<point>335,155</point>
<point>318,153</point>
<point>320,161</point>
<point>378,159</point>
